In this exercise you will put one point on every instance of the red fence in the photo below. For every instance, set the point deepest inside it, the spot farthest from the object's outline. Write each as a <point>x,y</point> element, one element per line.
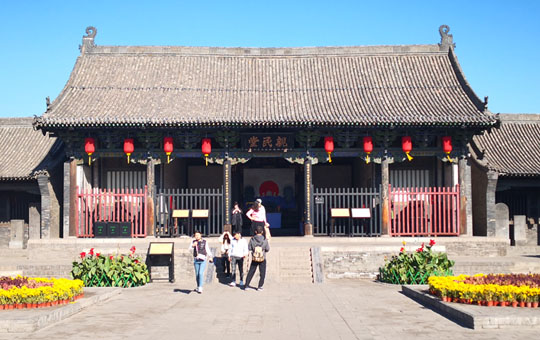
<point>424,211</point>
<point>117,205</point>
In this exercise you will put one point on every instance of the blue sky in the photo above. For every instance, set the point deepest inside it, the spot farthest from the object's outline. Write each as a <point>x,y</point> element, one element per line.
<point>497,41</point>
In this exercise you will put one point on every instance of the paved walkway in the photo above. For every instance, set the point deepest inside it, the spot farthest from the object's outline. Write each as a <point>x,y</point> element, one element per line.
<point>344,309</point>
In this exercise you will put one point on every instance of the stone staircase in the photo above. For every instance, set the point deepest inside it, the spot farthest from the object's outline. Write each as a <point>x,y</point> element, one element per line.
<point>294,265</point>
<point>284,264</point>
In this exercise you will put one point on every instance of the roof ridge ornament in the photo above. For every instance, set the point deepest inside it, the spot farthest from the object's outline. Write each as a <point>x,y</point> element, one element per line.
<point>88,39</point>
<point>447,40</point>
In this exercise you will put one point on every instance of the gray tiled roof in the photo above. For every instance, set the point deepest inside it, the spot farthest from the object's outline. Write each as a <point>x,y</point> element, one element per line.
<point>409,85</point>
<point>514,148</point>
<point>24,152</point>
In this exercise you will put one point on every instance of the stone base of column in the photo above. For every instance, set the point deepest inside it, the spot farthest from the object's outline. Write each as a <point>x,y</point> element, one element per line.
<point>227,228</point>
<point>308,229</point>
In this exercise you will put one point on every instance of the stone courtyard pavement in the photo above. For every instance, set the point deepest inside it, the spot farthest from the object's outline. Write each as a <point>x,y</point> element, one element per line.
<point>344,309</point>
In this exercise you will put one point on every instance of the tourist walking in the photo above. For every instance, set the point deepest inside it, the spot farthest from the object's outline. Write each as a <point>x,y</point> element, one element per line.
<point>237,220</point>
<point>201,255</point>
<point>258,246</point>
<point>257,215</point>
<point>225,240</point>
<point>238,252</point>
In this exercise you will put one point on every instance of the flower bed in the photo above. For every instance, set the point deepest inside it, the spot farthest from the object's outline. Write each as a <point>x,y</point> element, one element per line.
<point>23,292</point>
<point>415,267</point>
<point>488,290</point>
<point>97,270</point>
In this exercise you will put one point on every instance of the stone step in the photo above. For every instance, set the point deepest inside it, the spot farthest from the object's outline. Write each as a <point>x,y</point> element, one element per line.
<point>11,273</point>
<point>295,274</point>
<point>295,266</point>
<point>8,252</point>
<point>297,279</point>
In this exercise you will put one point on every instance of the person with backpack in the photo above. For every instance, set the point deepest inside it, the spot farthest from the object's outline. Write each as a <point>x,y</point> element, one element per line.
<point>258,246</point>
<point>237,254</point>
<point>201,254</point>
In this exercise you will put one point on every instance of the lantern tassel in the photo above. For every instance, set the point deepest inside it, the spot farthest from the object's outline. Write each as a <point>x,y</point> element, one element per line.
<point>206,159</point>
<point>409,157</point>
<point>168,157</point>
<point>329,157</point>
<point>128,154</point>
<point>367,158</point>
<point>89,159</point>
<point>448,156</point>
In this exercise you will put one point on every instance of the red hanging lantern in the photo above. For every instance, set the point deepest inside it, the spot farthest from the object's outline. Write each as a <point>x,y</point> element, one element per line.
<point>206,148</point>
<point>406,145</point>
<point>128,147</point>
<point>368,147</point>
<point>168,147</point>
<point>329,147</point>
<point>447,146</point>
<point>89,148</point>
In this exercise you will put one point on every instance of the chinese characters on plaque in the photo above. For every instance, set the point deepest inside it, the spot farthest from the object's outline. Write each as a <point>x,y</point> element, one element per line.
<point>267,142</point>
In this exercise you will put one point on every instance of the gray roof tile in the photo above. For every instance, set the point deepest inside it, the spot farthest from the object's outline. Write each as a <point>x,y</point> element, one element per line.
<point>514,148</point>
<point>191,86</point>
<point>24,152</point>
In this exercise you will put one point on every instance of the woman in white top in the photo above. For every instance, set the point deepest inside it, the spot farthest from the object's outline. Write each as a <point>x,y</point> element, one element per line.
<point>225,240</point>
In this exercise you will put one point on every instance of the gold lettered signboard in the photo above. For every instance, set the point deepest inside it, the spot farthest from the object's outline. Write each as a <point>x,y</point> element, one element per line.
<point>267,141</point>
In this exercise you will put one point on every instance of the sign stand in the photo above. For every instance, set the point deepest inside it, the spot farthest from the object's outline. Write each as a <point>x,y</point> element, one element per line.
<point>339,213</point>
<point>161,254</point>
<point>363,214</point>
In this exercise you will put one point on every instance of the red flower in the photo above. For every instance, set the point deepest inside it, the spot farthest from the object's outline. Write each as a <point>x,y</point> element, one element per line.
<point>97,254</point>
<point>91,252</point>
<point>132,249</point>
<point>136,261</point>
<point>83,255</point>
<point>402,250</point>
<point>431,243</point>
<point>110,257</point>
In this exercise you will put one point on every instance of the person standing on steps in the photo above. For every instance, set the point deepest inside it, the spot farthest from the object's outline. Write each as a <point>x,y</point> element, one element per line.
<point>236,219</point>
<point>237,254</point>
<point>258,246</point>
<point>257,215</point>
<point>201,255</point>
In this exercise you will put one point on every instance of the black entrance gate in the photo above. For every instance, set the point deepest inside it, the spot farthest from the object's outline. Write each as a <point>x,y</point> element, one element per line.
<point>195,201</point>
<point>325,199</point>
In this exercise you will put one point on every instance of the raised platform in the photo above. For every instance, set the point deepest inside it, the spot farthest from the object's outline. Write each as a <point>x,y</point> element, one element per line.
<point>331,257</point>
<point>476,317</point>
<point>30,320</point>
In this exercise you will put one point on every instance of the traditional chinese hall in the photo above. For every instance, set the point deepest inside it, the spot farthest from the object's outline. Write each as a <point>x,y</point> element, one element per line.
<point>357,141</point>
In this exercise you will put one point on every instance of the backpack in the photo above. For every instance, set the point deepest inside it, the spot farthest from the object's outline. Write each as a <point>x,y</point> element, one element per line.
<point>258,254</point>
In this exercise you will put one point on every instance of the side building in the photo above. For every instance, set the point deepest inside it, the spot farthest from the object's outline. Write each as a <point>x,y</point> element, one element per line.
<point>30,180</point>
<point>506,169</point>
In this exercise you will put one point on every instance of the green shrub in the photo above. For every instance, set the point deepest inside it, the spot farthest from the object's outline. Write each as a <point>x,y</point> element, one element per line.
<point>417,267</point>
<point>96,270</point>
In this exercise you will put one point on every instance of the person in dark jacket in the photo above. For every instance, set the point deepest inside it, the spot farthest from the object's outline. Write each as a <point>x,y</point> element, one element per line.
<point>236,219</point>
<point>257,241</point>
